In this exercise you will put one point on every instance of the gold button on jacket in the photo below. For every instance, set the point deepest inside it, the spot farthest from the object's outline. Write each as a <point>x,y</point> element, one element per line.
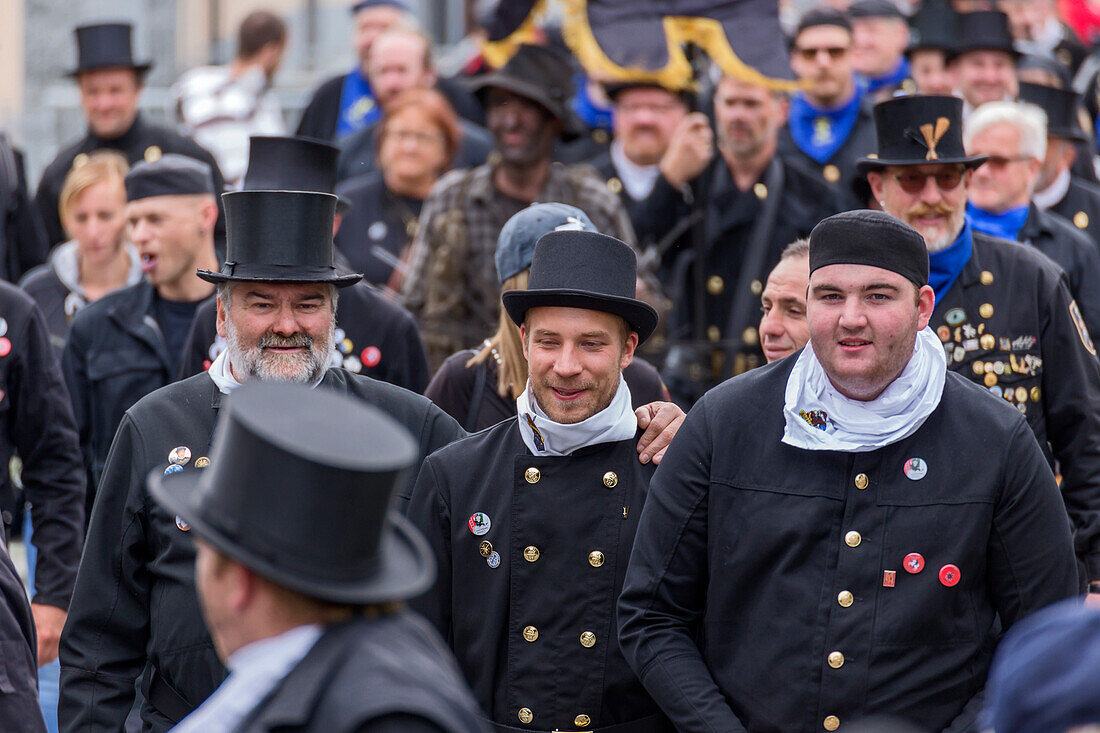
<point>582,720</point>
<point>836,660</point>
<point>530,633</point>
<point>525,715</point>
<point>852,539</point>
<point>532,475</point>
<point>845,598</point>
<point>831,723</point>
<point>588,640</point>
<point>531,553</point>
<point>610,479</point>
<point>862,482</point>
<point>595,558</point>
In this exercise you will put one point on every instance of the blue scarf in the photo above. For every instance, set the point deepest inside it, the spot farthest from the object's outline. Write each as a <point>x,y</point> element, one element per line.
<point>892,78</point>
<point>586,108</point>
<point>819,133</point>
<point>1006,225</point>
<point>944,266</point>
<point>357,107</point>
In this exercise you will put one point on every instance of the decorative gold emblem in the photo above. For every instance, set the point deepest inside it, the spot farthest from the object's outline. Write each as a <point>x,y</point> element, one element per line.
<point>933,135</point>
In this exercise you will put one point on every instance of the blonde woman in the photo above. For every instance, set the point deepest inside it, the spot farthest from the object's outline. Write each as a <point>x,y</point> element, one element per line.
<point>96,259</point>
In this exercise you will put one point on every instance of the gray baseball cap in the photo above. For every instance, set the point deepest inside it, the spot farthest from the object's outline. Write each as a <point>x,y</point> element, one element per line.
<point>516,244</point>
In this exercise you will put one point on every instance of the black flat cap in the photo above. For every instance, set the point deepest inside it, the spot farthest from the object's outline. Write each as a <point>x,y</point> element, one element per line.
<point>169,175</point>
<point>872,238</point>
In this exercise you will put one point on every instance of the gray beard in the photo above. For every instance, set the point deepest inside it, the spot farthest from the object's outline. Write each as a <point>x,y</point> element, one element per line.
<point>946,241</point>
<point>251,362</point>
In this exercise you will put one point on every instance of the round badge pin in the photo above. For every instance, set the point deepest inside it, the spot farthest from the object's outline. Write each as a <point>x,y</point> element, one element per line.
<point>3,327</point>
<point>371,356</point>
<point>5,346</point>
<point>182,525</point>
<point>202,462</point>
<point>913,563</point>
<point>950,575</point>
<point>915,469</point>
<point>172,469</point>
<point>179,456</point>
<point>493,560</point>
<point>480,523</point>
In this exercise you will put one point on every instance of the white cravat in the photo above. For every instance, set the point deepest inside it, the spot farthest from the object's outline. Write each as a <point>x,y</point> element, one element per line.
<point>1054,193</point>
<point>254,671</point>
<point>638,180</point>
<point>544,437</point>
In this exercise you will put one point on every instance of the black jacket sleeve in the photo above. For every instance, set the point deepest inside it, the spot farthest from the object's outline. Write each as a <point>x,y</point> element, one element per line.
<point>430,512</point>
<point>74,367</point>
<point>44,434</point>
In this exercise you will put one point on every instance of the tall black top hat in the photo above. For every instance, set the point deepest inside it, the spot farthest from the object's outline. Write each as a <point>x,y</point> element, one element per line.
<point>106,46</point>
<point>577,269</point>
<point>1062,108</point>
<point>279,163</point>
<point>984,30</point>
<point>919,129</point>
<point>933,27</point>
<point>279,237</point>
<point>292,464</point>
<point>543,75</point>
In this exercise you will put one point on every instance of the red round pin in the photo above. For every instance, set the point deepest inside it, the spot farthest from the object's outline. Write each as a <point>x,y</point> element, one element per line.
<point>5,346</point>
<point>950,575</point>
<point>913,563</point>
<point>371,356</point>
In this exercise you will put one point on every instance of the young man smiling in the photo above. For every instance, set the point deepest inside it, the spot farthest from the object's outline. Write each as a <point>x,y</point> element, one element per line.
<point>532,545</point>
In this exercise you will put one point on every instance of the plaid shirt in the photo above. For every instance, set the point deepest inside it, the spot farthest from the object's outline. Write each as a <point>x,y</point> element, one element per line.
<point>451,283</point>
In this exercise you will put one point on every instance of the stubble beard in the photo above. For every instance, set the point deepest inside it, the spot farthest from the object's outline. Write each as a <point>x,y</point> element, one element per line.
<point>253,362</point>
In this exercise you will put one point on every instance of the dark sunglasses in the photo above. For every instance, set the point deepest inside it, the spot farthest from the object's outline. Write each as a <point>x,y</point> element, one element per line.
<point>835,52</point>
<point>914,181</point>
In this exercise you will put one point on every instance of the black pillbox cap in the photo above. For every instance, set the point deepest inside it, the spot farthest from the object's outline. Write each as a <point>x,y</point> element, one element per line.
<point>871,238</point>
<point>169,175</point>
<point>822,16</point>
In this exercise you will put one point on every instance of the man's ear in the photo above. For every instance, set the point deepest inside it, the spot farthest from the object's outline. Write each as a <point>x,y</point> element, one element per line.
<point>628,349</point>
<point>221,318</point>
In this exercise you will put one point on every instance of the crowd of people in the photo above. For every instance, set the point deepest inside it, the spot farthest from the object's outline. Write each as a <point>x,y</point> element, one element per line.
<point>538,399</point>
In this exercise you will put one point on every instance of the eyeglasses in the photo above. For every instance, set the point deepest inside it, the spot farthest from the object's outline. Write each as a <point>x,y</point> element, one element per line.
<point>416,136</point>
<point>835,52</point>
<point>947,179</point>
<point>1000,161</point>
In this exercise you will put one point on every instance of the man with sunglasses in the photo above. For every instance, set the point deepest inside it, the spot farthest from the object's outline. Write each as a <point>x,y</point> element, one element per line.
<point>1013,136</point>
<point>1003,312</point>
<point>829,123</point>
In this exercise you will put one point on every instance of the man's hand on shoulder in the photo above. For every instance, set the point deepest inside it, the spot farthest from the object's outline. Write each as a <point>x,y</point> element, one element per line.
<point>660,420</point>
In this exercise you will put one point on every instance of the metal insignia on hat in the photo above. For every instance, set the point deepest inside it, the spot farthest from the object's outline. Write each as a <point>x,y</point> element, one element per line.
<point>933,134</point>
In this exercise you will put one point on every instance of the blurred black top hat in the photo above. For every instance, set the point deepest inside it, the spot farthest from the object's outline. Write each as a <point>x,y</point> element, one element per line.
<point>290,465</point>
<point>917,130</point>
<point>984,30</point>
<point>933,27</point>
<point>1062,108</point>
<point>106,46</point>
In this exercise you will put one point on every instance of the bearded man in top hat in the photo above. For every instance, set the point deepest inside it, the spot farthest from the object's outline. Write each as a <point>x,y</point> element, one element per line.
<point>110,83</point>
<point>1004,312</point>
<point>316,634</point>
<point>374,335</point>
<point>533,545</point>
<point>450,285</point>
<point>819,545</point>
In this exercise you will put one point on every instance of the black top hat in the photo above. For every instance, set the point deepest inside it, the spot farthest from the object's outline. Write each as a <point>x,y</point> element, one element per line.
<point>1062,108</point>
<point>542,74</point>
<point>984,30</point>
<point>280,163</point>
<point>106,46</point>
<point>933,27</point>
<point>298,490</point>
<point>280,237</point>
<point>577,269</point>
<point>919,129</point>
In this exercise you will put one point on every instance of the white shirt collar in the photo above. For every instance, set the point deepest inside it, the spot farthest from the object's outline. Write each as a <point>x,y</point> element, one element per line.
<point>638,180</point>
<point>1053,193</point>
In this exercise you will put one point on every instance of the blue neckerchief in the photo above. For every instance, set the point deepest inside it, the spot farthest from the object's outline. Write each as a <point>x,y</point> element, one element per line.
<point>945,266</point>
<point>1006,225</point>
<point>819,133</point>
<point>889,79</point>
<point>586,108</point>
<point>357,107</point>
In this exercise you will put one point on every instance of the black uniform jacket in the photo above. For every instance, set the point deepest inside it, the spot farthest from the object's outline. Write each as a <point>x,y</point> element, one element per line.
<point>143,141</point>
<point>116,354</point>
<point>745,235</point>
<point>19,709</point>
<point>36,421</point>
<point>1081,205</point>
<point>22,237</point>
<point>358,150</point>
<point>1075,252</point>
<point>378,228</point>
<point>366,674</point>
<point>531,554</point>
<point>455,387</point>
<point>769,588</point>
<point>134,602</point>
<point>1010,324</point>
<point>839,171</point>
<point>374,336</point>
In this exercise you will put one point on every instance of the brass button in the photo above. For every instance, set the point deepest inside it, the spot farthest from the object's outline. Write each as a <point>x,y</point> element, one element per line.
<point>530,553</point>
<point>862,482</point>
<point>756,287</point>
<point>987,277</point>
<point>582,720</point>
<point>614,185</point>
<point>715,285</point>
<point>749,336</point>
<point>588,640</point>
<point>852,539</point>
<point>485,548</point>
<point>152,154</point>
<point>610,479</point>
<point>836,660</point>
<point>985,310</point>
<point>530,633</point>
<point>1081,220</point>
<point>525,715</point>
<point>845,598</point>
<point>595,558</point>
<point>532,475</point>
<point>713,333</point>
<point>831,173</point>
<point>760,190</point>
<point>831,722</point>
<point>600,136</point>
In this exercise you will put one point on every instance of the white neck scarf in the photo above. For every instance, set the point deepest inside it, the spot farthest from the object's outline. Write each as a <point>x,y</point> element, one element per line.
<point>224,380</point>
<point>818,417</point>
<point>1054,193</point>
<point>544,437</point>
<point>638,180</point>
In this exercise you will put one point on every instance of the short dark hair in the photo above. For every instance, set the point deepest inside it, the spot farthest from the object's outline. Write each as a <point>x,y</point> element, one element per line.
<point>258,29</point>
<point>797,248</point>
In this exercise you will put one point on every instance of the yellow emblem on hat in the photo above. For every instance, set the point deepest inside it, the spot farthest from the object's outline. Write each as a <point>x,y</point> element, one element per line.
<point>933,135</point>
